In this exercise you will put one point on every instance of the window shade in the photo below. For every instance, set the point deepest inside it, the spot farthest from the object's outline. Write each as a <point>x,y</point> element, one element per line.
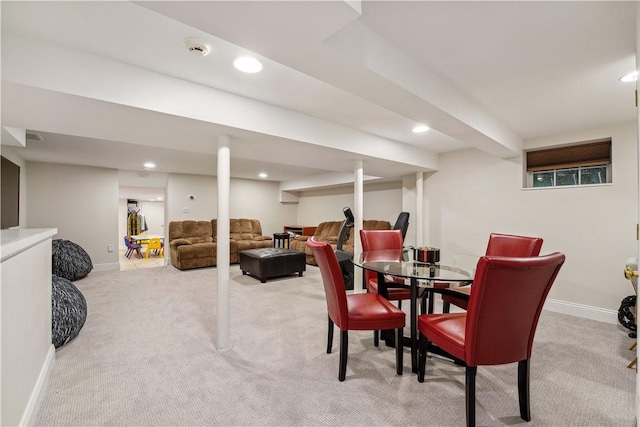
<point>591,154</point>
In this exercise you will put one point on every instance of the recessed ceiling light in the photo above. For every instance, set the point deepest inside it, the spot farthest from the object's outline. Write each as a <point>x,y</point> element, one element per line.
<point>631,77</point>
<point>420,129</point>
<point>246,64</point>
<point>149,165</point>
<point>262,175</point>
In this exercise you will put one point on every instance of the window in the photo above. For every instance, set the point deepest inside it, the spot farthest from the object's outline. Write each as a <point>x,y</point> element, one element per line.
<point>582,164</point>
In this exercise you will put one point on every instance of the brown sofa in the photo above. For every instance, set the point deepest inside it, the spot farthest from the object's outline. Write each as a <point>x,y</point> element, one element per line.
<point>244,234</point>
<point>328,232</point>
<point>193,243</point>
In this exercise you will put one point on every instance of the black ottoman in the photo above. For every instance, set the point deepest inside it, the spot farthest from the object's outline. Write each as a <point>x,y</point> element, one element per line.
<point>265,263</point>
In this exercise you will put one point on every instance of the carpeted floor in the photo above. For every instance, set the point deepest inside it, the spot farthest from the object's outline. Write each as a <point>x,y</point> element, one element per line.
<point>146,356</point>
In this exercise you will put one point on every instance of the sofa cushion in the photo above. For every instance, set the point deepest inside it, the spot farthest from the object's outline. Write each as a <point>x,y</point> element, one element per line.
<point>189,229</point>
<point>197,250</point>
<point>328,232</point>
<point>179,242</point>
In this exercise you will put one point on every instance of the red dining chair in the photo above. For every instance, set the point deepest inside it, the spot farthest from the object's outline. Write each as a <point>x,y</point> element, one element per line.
<point>397,290</point>
<point>499,245</point>
<point>365,312</point>
<point>499,324</point>
<point>378,240</point>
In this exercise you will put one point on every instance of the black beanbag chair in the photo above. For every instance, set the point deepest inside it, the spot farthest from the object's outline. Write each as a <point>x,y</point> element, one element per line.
<point>69,260</point>
<point>68,311</point>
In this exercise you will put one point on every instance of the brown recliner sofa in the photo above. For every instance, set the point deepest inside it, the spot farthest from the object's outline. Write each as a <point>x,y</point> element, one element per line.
<point>244,234</point>
<point>328,232</point>
<point>193,243</point>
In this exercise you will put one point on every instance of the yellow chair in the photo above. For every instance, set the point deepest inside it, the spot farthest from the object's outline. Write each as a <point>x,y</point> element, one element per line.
<point>154,244</point>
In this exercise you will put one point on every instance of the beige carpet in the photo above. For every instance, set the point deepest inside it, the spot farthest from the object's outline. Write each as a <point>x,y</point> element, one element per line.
<point>146,356</point>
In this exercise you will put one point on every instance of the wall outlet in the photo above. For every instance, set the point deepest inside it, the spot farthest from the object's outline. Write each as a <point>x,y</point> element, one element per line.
<point>185,210</point>
<point>109,248</point>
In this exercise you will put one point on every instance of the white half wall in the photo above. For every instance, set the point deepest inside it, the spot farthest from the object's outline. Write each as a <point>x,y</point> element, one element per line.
<point>474,194</point>
<point>81,202</point>
<point>27,354</point>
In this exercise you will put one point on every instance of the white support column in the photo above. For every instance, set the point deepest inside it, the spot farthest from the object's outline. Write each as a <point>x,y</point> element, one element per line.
<point>419,209</point>
<point>637,408</point>
<point>224,173</point>
<point>358,207</point>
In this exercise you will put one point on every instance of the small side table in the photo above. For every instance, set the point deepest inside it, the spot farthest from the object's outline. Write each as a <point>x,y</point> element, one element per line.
<point>281,240</point>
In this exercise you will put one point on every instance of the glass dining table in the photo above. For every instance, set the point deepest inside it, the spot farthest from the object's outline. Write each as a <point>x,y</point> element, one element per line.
<point>424,279</point>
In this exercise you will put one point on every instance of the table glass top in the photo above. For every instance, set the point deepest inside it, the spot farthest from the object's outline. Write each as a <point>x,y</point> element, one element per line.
<point>451,268</point>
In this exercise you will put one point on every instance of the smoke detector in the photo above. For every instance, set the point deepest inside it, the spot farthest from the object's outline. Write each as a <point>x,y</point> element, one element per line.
<point>197,47</point>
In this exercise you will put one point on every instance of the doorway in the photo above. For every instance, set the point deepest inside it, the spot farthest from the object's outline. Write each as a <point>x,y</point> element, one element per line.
<point>147,207</point>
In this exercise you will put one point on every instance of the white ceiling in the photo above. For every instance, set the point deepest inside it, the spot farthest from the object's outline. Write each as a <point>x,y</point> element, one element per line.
<point>111,84</point>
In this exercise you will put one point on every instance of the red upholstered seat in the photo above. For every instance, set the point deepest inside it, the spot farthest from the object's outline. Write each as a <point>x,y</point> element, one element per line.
<point>499,245</point>
<point>353,312</point>
<point>377,240</point>
<point>500,322</point>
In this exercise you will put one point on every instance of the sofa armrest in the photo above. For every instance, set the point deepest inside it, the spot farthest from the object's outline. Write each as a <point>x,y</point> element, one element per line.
<point>301,238</point>
<point>179,242</point>
<point>259,238</point>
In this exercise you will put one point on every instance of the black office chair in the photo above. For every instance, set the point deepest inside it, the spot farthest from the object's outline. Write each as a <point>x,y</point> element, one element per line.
<point>402,223</point>
<point>344,257</point>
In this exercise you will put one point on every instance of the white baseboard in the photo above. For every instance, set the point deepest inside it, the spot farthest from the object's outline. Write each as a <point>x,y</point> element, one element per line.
<point>580,310</point>
<point>28,418</point>
<point>107,266</point>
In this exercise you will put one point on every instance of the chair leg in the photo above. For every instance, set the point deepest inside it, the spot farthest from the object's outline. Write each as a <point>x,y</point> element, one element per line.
<point>400,304</point>
<point>446,307</point>
<point>376,338</point>
<point>344,345</point>
<point>399,350</point>
<point>523,390</point>
<point>330,336</point>
<point>422,357</point>
<point>470,395</point>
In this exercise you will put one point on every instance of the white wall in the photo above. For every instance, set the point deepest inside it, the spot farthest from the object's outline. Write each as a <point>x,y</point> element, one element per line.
<point>248,199</point>
<point>154,216</point>
<point>122,221</point>
<point>260,200</point>
<point>12,154</point>
<point>474,194</point>
<point>205,202</point>
<point>81,202</point>
<point>380,201</point>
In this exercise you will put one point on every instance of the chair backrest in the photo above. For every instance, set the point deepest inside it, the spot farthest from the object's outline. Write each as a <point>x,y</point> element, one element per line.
<point>154,243</point>
<point>377,240</point>
<point>333,282</point>
<point>130,244</point>
<point>504,307</point>
<point>402,224</point>
<point>512,245</point>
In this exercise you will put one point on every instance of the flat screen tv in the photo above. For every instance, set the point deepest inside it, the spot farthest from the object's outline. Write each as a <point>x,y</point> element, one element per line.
<point>9,194</point>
